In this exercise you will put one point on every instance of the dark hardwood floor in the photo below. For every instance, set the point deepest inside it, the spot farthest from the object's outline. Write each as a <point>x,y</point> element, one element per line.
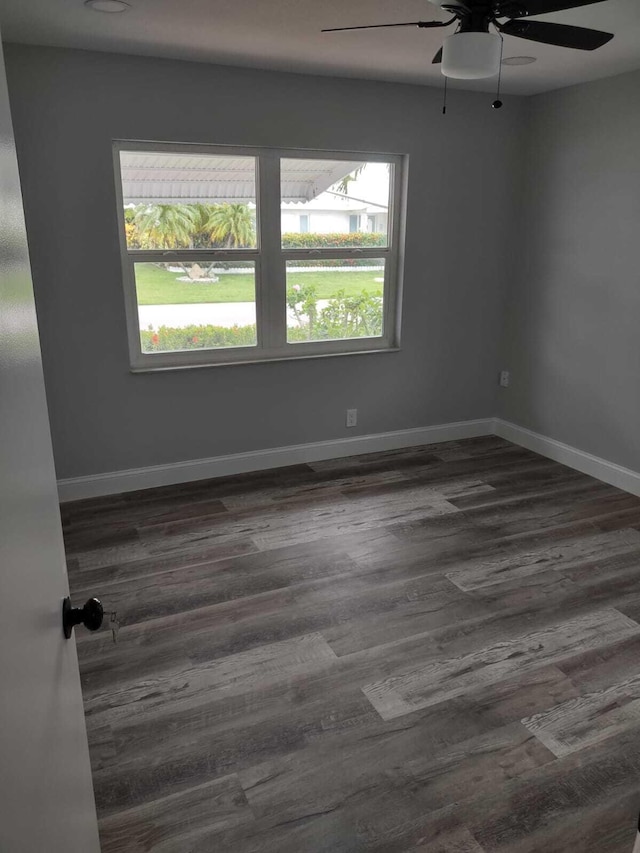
<point>434,649</point>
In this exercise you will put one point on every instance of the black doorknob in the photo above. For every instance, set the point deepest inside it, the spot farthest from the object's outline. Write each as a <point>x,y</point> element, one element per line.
<point>90,615</point>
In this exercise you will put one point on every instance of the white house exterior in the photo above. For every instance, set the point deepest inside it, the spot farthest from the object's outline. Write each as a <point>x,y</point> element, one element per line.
<point>363,208</point>
<point>328,214</point>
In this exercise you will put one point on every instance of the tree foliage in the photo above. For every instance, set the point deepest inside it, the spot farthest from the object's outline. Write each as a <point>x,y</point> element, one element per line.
<point>189,226</point>
<point>164,226</point>
<point>232,225</point>
<point>343,185</point>
<point>358,316</point>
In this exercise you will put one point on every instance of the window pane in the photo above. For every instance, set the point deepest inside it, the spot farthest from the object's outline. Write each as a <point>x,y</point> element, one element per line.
<point>188,201</point>
<point>335,299</point>
<point>346,202</point>
<point>196,306</point>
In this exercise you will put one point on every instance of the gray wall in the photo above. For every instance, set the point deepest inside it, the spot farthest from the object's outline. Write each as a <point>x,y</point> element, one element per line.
<point>69,105</point>
<point>573,313</point>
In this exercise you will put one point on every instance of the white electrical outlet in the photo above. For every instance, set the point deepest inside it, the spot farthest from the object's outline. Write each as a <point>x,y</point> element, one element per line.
<point>505,378</point>
<point>352,417</point>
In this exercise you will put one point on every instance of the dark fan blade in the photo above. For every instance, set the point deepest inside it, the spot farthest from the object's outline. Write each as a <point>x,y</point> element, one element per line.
<point>558,34</point>
<point>523,8</point>
<point>421,24</point>
<point>437,59</point>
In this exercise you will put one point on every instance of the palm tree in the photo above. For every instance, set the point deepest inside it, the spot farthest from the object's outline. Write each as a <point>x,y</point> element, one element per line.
<point>165,226</point>
<point>343,185</point>
<point>201,236</point>
<point>233,225</point>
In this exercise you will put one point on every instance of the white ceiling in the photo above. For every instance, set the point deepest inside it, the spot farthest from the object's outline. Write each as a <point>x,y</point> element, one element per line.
<point>285,35</point>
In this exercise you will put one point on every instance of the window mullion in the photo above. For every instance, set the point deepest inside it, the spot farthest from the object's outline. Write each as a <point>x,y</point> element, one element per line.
<point>273,316</point>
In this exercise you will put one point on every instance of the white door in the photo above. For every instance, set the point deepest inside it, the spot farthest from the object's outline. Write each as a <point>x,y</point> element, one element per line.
<point>46,796</point>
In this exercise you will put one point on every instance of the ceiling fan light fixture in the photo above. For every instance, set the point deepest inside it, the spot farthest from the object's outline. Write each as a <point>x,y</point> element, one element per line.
<point>107,5</point>
<point>471,56</point>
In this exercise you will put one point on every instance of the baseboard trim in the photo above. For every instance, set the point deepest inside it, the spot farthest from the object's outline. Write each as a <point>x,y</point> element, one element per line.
<point>115,482</point>
<point>608,472</point>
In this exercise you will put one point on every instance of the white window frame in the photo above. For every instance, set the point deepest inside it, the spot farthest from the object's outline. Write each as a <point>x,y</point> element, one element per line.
<point>270,263</point>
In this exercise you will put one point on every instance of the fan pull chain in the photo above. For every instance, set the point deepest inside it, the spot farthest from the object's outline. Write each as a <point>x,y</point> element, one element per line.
<point>444,103</point>
<point>497,104</point>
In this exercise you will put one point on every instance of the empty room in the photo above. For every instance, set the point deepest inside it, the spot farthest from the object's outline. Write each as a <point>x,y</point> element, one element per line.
<point>319,417</point>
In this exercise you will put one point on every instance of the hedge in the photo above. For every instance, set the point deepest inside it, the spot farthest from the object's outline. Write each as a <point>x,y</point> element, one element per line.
<point>357,239</point>
<point>169,339</point>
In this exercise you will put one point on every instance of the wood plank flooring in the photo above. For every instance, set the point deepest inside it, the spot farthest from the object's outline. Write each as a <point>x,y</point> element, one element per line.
<point>433,650</point>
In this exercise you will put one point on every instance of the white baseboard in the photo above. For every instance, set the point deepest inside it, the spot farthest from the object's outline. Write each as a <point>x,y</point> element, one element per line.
<point>608,472</point>
<point>114,482</point>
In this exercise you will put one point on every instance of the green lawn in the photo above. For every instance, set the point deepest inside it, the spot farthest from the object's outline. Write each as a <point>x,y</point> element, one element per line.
<point>156,286</point>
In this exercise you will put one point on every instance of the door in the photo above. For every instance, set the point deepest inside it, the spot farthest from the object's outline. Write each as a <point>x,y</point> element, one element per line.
<point>46,795</point>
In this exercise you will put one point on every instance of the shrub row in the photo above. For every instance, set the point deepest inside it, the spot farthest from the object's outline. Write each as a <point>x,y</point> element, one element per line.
<point>168,339</point>
<point>357,239</point>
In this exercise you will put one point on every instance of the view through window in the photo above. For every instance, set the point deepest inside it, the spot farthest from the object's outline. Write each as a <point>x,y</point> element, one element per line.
<point>206,280</point>
<point>331,296</point>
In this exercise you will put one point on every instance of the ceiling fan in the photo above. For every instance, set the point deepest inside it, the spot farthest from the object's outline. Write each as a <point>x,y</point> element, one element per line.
<point>473,51</point>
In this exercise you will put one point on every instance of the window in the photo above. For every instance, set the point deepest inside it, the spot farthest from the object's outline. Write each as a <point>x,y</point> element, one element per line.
<point>354,223</point>
<point>221,265</point>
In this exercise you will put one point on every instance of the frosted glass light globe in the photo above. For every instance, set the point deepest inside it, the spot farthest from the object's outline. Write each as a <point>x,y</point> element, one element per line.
<point>470,56</point>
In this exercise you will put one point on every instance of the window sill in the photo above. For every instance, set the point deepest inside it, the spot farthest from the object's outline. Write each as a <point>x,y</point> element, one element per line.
<point>263,360</point>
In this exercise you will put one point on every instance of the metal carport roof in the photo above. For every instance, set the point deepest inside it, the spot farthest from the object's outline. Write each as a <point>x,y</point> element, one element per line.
<point>178,178</point>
